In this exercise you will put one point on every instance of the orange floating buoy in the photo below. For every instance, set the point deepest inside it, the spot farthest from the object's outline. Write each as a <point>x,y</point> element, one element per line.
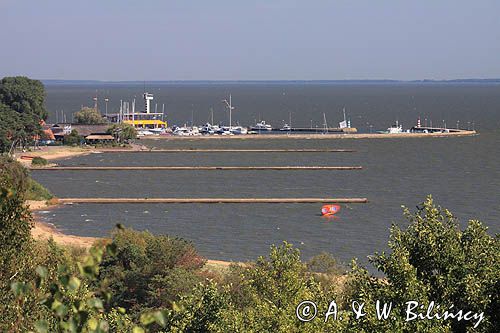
<point>327,210</point>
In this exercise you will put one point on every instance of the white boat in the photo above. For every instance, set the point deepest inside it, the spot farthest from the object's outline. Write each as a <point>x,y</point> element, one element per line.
<point>185,131</point>
<point>157,131</point>
<point>207,129</point>
<point>238,130</point>
<point>395,129</point>
<point>262,126</point>
<point>286,127</point>
<point>144,133</point>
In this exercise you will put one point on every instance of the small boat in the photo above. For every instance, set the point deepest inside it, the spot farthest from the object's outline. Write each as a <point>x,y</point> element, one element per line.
<point>286,128</point>
<point>144,132</point>
<point>395,129</point>
<point>26,157</point>
<point>328,210</point>
<point>157,131</point>
<point>239,130</point>
<point>262,126</point>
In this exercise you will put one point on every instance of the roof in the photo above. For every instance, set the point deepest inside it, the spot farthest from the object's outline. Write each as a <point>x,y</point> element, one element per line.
<point>83,130</point>
<point>100,137</point>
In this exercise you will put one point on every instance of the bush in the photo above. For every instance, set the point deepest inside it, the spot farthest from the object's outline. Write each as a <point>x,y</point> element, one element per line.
<point>73,138</point>
<point>150,271</point>
<point>325,263</point>
<point>433,260</point>
<point>89,116</point>
<point>39,161</point>
<point>37,191</point>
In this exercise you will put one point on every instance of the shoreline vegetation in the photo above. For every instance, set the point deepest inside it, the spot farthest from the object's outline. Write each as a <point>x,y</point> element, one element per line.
<point>45,231</point>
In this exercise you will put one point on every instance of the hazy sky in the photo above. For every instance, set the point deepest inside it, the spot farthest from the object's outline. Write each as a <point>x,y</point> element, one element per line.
<point>250,40</point>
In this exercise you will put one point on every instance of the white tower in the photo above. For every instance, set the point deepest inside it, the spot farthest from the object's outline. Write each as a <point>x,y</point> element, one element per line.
<point>147,98</point>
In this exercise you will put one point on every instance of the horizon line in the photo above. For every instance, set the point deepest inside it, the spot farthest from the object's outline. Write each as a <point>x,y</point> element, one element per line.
<point>463,80</point>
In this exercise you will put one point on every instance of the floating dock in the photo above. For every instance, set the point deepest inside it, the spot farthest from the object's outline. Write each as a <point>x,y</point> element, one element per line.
<point>210,168</point>
<point>211,200</point>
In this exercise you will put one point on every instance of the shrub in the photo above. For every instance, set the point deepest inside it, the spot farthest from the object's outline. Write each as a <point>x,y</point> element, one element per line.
<point>37,191</point>
<point>150,271</point>
<point>39,161</point>
<point>73,138</point>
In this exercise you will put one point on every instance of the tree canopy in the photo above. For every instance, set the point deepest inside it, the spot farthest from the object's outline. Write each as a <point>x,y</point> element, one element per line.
<point>22,108</point>
<point>89,116</point>
<point>24,95</point>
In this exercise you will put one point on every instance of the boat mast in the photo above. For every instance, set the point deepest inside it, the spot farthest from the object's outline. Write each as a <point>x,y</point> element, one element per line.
<point>230,107</point>
<point>325,126</point>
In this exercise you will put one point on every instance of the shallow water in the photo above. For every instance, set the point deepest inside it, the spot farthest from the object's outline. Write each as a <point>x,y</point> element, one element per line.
<point>461,173</point>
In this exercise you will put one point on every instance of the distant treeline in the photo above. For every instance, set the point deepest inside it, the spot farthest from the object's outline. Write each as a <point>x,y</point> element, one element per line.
<point>215,82</point>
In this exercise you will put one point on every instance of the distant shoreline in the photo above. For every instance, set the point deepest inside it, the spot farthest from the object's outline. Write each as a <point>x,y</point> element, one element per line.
<point>218,82</point>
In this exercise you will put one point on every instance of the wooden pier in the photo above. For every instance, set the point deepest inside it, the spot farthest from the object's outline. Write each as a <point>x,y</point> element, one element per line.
<point>208,168</point>
<point>210,200</point>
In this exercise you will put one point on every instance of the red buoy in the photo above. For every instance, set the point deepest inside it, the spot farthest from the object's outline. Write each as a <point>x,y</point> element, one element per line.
<point>327,210</point>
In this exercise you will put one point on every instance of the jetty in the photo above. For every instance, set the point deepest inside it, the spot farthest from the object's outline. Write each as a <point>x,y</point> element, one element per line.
<point>314,136</point>
<point>208,168</point>
<point>209,200</point>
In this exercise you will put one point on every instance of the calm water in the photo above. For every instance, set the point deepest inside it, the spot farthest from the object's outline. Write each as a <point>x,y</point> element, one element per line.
<point>461,173</point>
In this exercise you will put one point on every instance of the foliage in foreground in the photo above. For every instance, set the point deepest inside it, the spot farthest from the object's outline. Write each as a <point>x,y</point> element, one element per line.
<point>140,282</point>
<point>433,260</point>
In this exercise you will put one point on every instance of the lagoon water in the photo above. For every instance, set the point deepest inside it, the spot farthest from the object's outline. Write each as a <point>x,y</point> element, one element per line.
<point>462,174</point>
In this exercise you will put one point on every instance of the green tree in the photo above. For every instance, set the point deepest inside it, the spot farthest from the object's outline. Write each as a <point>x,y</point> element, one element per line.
<point>149,271</point>
<point>89,116</point>
<point>123,132</point>
<point>433,260</point>
<point>73,138</point>
<point>21,111</point>
<point>24,95</point>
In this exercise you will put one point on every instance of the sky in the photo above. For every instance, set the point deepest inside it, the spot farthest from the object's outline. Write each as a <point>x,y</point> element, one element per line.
<point>119,40</point>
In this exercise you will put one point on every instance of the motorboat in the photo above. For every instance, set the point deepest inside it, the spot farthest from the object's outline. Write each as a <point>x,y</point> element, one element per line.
<point>144,132</point>
<point>261,126</point>
<point>286,128</point>
<point>395,129</point>
<point>238,130</point>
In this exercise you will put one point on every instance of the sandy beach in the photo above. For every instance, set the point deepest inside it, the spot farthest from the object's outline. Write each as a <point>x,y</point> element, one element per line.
<point>43,231</point>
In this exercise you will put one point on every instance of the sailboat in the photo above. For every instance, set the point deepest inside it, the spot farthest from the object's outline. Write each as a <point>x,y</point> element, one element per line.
<point>325,125</point>
<point>343,124</point>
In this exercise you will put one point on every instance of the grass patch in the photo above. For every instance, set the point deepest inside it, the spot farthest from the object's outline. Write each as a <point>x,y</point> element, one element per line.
<point>37,192</point>
<point>39,161</point>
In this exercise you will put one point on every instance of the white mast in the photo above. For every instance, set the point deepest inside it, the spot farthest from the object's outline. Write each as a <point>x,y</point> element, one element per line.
<point>230,107</point>
<point>325,125</point>
<point>133,112</point>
